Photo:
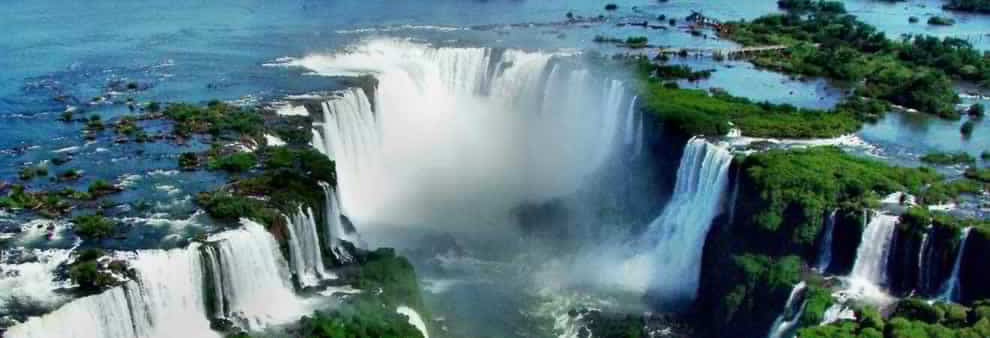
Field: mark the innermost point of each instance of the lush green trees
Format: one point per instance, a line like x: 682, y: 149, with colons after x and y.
x: 912, y: 318
x: 915, y: 72
x: 93, y: 226
x: 234, y: 163
x: 695, y: 112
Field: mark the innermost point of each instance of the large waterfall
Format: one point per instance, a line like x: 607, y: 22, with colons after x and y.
x: 873, y: 251
x: 677, y: 236
x: 254, y: 278
x: 166, y: 300
x: 243, y: 271
x: 950, y: 289
x: 459, y: 137
x: 791, y: 315
x: 304, y: 246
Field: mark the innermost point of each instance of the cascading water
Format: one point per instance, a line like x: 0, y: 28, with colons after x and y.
x: 165, y: 300
x: 836, y: 312
x: 950, y: 289
x: 304, y: 246
x: 873, y: 251
x: 254, y: 278
x: 825, y: 247
x: 677, y: 236
x: 924, y: 257
x: 452, y: 137
x: 335, y: 231
x: 790, y: 316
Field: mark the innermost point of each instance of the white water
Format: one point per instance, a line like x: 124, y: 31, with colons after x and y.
x: 922, y: 260
x: 414, y: 319
x: 836, y: 312
x: 304, y: 246
x: 34, y: 281
x: 825, y: 247
x: 677, y: 236
x: 459, y: 137
x: 874, y: 249
x: 255, y: 278
x: 790, y: 316
x: 950, y: 289
x: 166, y: 300
x: 335, y: 231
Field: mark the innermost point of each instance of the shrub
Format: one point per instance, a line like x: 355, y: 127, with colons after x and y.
x: 611, y: 7
x: 941, y: 21
x: 188, y: 161
x: 102, y: 187
x: 93, y: 226
x: 948, y: 158
x: 235, y: 163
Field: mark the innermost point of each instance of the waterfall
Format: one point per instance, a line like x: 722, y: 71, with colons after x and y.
x: 873, y: 251
x: 414, y: 319
x: 335, y: 231
x: 165, y: 300
x: 825, y: 247
x: 454, y: 136
x: 304, y: 246
x: 924, y: 255
x: 836, y: 312
x: 254, y: 278
x: 678, y: 234
x: 950, y: 290
x: 790, y: 316
x: 633, y: 129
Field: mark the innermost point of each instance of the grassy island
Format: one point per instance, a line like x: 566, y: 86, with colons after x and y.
x: 914, y: 72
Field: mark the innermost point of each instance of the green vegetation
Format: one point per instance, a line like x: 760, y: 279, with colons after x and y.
x: 817, y: 300
x: 94, y: 274
x: 805, y: 6
x: 234, y: 163
x: 364, y: 318
x: 672, y: 72
x: 30, y: 172
x: 216, y: 118
x: 611, y: 7
x: 101, y: 188
x: 947, y: 191
x: 226, y: 206
x: 696, y: 112
x: 981, y: 6
x: 912, y: 318
x: 48, y: 204
x: 915, y: 72
x: 636, y: 42
x: 794, y: 188
x: 758, y: 278
x: 985, y: 155
x: 941, y: 21
x: 982, y: 175
x: 68, y: 175
x: 188, y: 161
x: 948, y: 158
x: 93, y: 226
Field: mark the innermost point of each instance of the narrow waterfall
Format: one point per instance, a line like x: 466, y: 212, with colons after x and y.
x: 414, y: 319
x: 790, y: 316
x: 924, y: 257
x: 873, y: 251
x: 677, y: 236
x: 335, y: 232
x: 950, y: 290
x: 165, y: 300
x: 631, y: 129
x: 254, y: 278
x: 445, y: 128
x: 304, y: 246
x: 825, y: 246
